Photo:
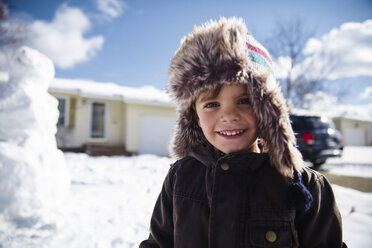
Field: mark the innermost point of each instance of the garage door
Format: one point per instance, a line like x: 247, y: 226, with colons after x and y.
x: 155, y: 132
x: 354, y: 137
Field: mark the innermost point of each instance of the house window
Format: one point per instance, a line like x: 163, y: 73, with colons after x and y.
x: 98, y: 120
x: 62, y: 108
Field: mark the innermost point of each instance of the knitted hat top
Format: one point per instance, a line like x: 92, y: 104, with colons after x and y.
x: 223, y: 52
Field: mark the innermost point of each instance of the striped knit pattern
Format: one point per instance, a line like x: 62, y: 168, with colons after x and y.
x: 258, y: 54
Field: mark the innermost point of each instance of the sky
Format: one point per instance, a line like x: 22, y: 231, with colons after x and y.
x: 132, y: 42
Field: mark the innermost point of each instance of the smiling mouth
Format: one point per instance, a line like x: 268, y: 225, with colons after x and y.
x: 232, y: 133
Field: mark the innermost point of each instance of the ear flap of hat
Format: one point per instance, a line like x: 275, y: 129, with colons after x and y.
x: 274, y: 125
x: 187, y: 134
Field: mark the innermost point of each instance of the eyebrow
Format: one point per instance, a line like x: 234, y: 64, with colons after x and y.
x: 207, y: 98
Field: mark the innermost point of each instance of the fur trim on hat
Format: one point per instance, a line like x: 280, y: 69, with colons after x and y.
x: 217, y: 53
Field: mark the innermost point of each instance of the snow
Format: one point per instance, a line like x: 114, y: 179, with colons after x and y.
x: 109, y: 204
x: 356, y: 161
x: 356, y: 212
x: 108, y: 90
x: 111, y: 201
x: 34, y: 178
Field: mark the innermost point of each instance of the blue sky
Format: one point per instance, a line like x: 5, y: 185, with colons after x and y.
x: 132, y: 42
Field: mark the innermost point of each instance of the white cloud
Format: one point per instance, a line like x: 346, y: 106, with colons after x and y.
x: 367, y: 93
x: 62, y: 39
x: 111, y: 8
x: 346, y: 50
x: 282, y: 67
x: 319, y: 101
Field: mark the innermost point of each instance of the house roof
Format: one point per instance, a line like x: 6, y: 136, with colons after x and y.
x: 106, y: 90
x: 352, y: 112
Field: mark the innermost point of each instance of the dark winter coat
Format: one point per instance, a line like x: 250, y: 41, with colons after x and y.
x: 240, y: 200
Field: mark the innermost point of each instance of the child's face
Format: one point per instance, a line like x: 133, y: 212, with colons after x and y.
x: 227, y: 120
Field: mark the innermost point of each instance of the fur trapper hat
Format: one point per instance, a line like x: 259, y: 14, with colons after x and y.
x: 224, y: 52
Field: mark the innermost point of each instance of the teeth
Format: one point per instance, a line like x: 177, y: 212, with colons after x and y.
x: 231, y: 133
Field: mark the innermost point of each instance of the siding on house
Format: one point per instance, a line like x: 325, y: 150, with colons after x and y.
x: 116, y: 122
x: 134, y: 112
x: 355, y: 132
x: 122, y: 116
x: 77, y: 132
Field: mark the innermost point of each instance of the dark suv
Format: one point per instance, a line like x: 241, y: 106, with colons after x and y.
x: 317, y: 138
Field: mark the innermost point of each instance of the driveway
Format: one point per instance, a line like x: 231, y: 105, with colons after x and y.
x: 363, y: 184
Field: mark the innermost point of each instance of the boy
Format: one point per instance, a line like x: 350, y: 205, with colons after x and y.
x: 222, y: 192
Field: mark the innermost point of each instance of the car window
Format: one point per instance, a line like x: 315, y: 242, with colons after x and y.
x: 310, y: 122
x: 297, y: 123
x: 319, y: 122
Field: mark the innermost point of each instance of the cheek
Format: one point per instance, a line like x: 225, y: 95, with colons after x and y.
x: 204, y: 122
x: 251, y: 116
x: 254, y: 120
x: 201, y: 123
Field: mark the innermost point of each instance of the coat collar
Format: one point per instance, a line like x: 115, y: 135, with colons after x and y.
x: 210, y: 157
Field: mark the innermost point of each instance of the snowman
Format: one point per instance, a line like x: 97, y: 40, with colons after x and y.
x: 34, y: 179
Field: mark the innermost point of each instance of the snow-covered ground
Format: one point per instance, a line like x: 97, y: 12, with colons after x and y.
x: 355, y: 161
x: 111, y: 200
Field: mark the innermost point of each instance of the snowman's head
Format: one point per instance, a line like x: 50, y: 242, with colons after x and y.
x: 28, y: 62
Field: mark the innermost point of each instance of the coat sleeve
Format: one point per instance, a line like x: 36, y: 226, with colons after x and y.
x: 321, y: 225
x: 161, y: 226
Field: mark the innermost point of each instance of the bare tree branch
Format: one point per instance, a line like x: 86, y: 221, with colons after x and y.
x: 13, y: 34
x: 305, y: 74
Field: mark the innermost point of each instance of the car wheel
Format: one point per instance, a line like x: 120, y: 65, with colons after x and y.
x: 318, y: 162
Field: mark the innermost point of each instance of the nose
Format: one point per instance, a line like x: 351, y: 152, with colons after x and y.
x: 229, y: 114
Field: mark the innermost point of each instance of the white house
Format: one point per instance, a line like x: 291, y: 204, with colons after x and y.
x: 355, y: 131
x: 105, y: 118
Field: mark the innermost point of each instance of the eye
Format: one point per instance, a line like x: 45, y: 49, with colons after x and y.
x: 211, y: 105
x: 244, y: 100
